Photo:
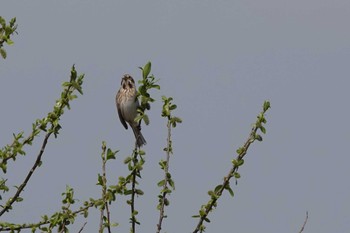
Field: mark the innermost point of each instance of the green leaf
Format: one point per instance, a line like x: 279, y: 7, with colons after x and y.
x: 155, y: 86
x: 128, y: 192
x: 217, y: 188
x: 240, y: 162
x: 99, y: 180
x: 211, y: 193
x: 177, y: 119
x: 234, y: 162
x: 127, y: 159
x: 139, y: 192
x: 161, y: 183
x: 171, y: 183
x: 76, y: 85
x: 73, y: 74
x: 138, y: 118
x: 142, y: 152
x: 206, y: 219
x: 12, y: 22
x: 173, y: 106
x: 240, y: 150
x: 236, y: 175
x: 266, y: 106
x: 146, y: 70
x: 111, y: 154
x: 115, y: 224
x: 145, y: 119
x: 228, y: 188
x: 9, y: 41
x: 3, y: 53
x: 258, y: 137
x: 2, y: 22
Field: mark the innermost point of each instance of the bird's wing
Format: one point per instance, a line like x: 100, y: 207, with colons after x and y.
x: 120, y: 114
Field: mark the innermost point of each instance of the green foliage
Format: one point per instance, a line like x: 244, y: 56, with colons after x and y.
x: 236, y: 163
x: 6, y: 31
x: 147, y: 82
x: 129, y: 185
x: 50, y: 125
x: 108, y: 193
x: 167, y: 182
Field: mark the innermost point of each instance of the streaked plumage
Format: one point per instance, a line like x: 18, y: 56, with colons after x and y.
x: 127, y: 104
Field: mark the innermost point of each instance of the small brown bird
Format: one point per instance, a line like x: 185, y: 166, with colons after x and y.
x: 127, y: 104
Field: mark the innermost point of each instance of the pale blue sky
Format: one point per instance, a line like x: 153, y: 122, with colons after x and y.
x: 219, y: 60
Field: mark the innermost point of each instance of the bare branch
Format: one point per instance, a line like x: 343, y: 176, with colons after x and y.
x: 306, y: 218
x: 82, y: 228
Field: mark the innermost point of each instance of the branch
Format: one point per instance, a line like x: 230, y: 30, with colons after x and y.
x: 216, y: 194
x: 21, y: 187
x: 82, y: 228
x: 168, y: 107
x: 44, y: 222
x: 133, y: 190
x: 165, y: 186
x: 6, y: 32
x: 104, y: 192
x: 66, y: 215
x: 134, y: 164
x: 302, y: 228
x: 53, y: 118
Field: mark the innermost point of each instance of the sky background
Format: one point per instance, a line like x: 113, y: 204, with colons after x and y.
x: 219, y: 60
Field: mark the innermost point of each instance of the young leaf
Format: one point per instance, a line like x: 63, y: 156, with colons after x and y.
x: 266, y: 106
x: 3, y: 53
x: 146, y: 70
x: 161, y: 183
x: 111, y: 154
x: 9, y: 41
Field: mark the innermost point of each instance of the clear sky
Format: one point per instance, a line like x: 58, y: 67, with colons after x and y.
x: 219, y: 60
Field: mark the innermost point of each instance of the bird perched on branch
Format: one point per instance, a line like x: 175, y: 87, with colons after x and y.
x: 127, y: 104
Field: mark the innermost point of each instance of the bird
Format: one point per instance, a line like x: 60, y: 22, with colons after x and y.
x: 127, y: 104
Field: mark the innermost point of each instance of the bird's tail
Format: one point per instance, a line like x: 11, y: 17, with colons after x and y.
x: 140, y: 140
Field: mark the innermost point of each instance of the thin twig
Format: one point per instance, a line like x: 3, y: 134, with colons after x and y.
x: 27, y: 226
x: 104, y: 190
x: 133, y: 191
x: 101, y: 221
x: 64, y: 222
x: 103, y: 187
x: 108, y: 218
x: 37, y: 162
x: 82, y: 228
x: 306, y: 218
x: 227, y: 178
x: 21, y: 187
x: 25, y: 141
x: 166, y: 169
